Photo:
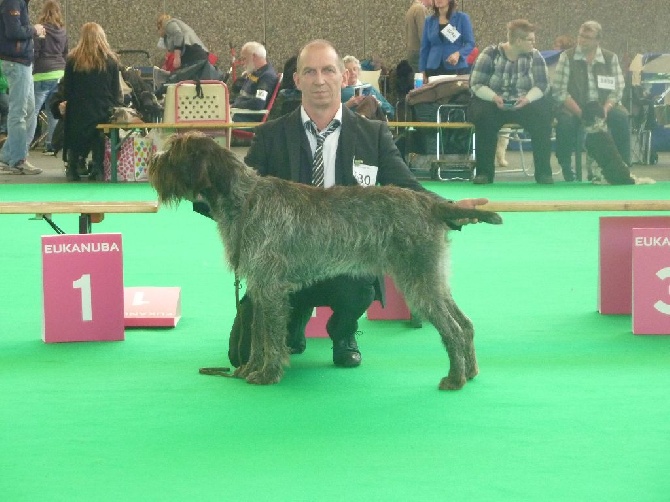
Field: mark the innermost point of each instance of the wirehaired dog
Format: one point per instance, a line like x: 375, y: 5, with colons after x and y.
x: 282, y: 236
x: 601, y: 148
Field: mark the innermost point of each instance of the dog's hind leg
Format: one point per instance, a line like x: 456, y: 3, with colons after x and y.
x: 429, y: 295
x: 268, y: 353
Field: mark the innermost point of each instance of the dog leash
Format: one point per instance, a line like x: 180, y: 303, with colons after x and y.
x: 224, y: 371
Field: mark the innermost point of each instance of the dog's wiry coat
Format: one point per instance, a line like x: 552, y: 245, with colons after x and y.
x: 290, y: 235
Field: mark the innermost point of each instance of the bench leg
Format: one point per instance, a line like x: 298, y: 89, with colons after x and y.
x: 113, y: 156
x: 84, y: 223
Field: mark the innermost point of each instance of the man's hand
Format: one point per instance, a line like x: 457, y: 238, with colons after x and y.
x: 469, y: 204
x: 521, y: 102
x: 354, y: 101
x: 606, y: 108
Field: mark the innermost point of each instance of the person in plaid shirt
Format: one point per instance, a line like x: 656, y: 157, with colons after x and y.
x: 588, y: 73
x: 510, y: 85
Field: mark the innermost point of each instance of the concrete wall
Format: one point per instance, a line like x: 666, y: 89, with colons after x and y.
x: 364, y: 28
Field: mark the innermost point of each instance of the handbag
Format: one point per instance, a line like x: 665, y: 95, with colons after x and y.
x: 133, y: 158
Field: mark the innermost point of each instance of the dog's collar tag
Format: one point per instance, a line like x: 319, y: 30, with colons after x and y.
x: 365, y: 175
x: 606, y: 82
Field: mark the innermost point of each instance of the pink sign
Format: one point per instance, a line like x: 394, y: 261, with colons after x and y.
x: 651, y: 281
x: 316, y: 327
x: 152, y: 307
x: 82, y: 286
x: 615, y: 280
x: 394, y: 307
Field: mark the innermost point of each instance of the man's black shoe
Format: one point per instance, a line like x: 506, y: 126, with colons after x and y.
x: 569, y: 175
x: 346, y: 353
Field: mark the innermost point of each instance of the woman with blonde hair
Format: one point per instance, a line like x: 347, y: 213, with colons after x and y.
x: 91, y: 88
x: 48, y: 68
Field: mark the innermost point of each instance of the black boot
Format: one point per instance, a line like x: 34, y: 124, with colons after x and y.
x: 97, y: 173
x: 72, y: 168
x: 568, y: 173
x: 71, y: 173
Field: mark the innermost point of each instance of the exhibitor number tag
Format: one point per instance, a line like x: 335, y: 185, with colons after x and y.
x: 365, y: 175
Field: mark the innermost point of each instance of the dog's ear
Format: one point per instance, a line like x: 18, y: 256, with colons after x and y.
x: 193, y: 164
x: 182, y: 170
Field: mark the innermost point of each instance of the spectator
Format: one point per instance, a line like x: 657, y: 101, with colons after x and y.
x: 510, y: 83
x: 588, y: 73
x: 256, y: 85
x: 288, y: 97
x: 49, y: 67
x: 415, y: 18
x: 180, y: 40
x: 447, y: 41
x: 563, y: 42
x: 91, y: 89
x: 349, y: 97
x: 16, y: 53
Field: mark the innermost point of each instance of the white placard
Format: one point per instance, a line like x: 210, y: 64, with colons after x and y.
x: 451, y: 33
x: 365, y: 175
x: 607, y: 83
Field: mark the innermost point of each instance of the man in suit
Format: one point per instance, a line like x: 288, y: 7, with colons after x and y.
x: 355, y: 150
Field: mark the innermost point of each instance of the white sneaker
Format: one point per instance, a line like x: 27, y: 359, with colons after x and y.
x: 25, y: 167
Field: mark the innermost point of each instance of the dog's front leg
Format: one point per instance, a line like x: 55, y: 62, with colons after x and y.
x: 268, y: 340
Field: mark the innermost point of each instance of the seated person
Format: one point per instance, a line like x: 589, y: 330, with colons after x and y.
x: 349, y: 97
x: 255, y: 87
x: 288, y: 97
x: 588, y: 73
x: 510, y: 83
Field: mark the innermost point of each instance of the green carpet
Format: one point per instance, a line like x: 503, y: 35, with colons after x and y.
x: 569, y: 405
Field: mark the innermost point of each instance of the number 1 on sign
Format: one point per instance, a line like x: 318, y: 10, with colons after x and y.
x: 84, y: 283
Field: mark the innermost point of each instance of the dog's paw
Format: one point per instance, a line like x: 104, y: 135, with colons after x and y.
x: 452, y: 383
x: 240, y: 372
x: 472, y: 372
x: 264, y: 377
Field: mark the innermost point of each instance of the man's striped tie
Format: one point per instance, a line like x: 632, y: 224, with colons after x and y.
x: 317, y: 165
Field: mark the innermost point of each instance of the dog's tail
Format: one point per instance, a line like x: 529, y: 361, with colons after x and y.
x: 454, y: 215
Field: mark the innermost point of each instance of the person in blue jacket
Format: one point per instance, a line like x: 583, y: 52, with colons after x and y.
x: 447, y: 41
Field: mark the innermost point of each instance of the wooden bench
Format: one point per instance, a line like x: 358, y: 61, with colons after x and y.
x: 89, y: 212
x: 577, y: 205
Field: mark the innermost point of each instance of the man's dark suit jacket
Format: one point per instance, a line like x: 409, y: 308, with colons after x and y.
x: 280, y: 148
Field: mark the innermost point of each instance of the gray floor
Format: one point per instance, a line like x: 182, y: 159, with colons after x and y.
x: 54, y: 172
